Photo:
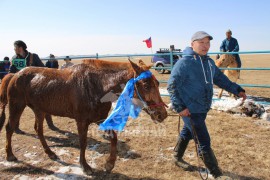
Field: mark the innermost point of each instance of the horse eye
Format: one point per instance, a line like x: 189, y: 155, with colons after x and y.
x: 146, y: 87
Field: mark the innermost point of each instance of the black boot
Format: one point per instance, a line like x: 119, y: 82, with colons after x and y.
x: 179, y: 153
x: 211, y: 163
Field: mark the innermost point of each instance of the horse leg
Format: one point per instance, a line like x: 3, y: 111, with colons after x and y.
x: 39, y: 128
x: 220, y: 93
x: 82, y: 131
x: 15, y: 112
x: 112, y: 158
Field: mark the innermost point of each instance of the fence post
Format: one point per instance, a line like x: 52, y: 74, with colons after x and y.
x: 171, y: 57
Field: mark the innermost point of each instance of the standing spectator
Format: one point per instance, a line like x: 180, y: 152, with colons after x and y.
x: 68, y: 63
x: 230, y: 44
x: 52, y: 62
x: 4, y: 67
x: 191, y: 90
x: 23, y: 58
x: 20, y: 60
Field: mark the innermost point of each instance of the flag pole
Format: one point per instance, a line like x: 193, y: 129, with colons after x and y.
x: 151, y: 55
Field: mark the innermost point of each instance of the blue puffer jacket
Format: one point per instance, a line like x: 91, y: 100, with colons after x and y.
x: 191, y: 82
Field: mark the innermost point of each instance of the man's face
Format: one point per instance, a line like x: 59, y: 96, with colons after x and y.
x: 228, y: 35
x: 18, y: 50
x: 201, y: 46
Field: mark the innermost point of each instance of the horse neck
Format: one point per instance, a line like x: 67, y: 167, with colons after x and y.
x: 233, y: 64
x: 118, y: 78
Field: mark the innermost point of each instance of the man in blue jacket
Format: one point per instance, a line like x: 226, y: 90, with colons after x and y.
x: 191, y: 90
x: 230, y: 44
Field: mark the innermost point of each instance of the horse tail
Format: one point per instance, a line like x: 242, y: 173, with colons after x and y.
x: 3, y: 98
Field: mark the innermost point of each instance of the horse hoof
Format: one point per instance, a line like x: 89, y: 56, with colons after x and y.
x: 109, y: 167
x: 53, y: 156
x: 12, y: 158
x: 88, y: 171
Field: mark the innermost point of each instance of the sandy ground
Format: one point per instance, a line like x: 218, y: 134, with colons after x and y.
x: 145, y: 149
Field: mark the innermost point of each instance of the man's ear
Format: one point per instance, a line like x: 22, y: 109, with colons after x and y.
x: 135, y: 67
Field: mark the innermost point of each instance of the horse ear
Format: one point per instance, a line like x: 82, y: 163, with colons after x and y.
x: 150, y: 66
x: 144, y: 66
x: 135, y: 67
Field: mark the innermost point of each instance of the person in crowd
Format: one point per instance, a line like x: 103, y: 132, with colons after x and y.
x: 52, y: 62
x: 4, y: 67
x: 191, y: 89
x: 20, y: 60
x: 67, y: 63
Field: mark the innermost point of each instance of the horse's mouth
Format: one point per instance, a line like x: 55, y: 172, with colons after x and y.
x: 157, y: 115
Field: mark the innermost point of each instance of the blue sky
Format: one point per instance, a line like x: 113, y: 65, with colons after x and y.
x: 83, y: 27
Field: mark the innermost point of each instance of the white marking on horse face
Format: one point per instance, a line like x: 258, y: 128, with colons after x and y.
x: 37, y: 79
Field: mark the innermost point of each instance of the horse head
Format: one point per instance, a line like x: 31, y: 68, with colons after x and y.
x: 225, y: 60
x: 146, y: 93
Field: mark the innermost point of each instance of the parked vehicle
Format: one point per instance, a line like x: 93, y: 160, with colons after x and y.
x: 161, y: 60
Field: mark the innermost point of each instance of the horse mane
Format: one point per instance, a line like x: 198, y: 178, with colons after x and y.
x: 108, y: 65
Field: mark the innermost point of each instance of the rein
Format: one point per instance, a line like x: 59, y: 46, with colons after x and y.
x: 197, y: 145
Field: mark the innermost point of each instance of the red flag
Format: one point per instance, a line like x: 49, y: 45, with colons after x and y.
x: 148, y: 42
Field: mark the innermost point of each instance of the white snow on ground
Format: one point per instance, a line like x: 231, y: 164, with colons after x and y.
x: 61, y: 152
x: 71, y: 172
x: 228, y: 104
x: 30, y: 155
x: 8, y: 164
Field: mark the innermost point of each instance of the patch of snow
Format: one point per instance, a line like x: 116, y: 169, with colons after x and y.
x: 21, y: 177
x: 266, y: 116
x: 62, y: 152
x: 170, y: 148
x: 30, y: 155
x: 7, y: 163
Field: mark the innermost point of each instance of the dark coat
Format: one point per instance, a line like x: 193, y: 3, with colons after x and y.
x: 34, y: 62
x: 52, y: 64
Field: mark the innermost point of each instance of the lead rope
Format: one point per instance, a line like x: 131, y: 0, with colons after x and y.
x: 197, y: 144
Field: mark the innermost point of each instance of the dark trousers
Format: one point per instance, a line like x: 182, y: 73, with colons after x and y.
x: 198, y: 120
x: 237, y: 58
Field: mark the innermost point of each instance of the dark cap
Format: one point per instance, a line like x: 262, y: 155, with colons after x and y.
x: 52, y: 56
x: 67, y: 58
x: 6, y: 58
x: 20, y: 43
x: 200, y: 35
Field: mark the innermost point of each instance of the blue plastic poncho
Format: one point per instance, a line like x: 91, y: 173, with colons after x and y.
x: 124, y: 106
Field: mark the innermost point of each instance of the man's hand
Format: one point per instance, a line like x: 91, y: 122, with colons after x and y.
x: 185, y: 112
x: 243, y: 95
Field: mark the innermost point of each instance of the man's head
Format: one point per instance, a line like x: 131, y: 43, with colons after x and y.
x: 200, y: 42
x: 52, y: 57
x: 67, y: 59
x: 19, y: 47
x: 6, y: 59
x: 228, y: 34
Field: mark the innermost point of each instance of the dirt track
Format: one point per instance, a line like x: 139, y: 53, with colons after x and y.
x: 145, y: 149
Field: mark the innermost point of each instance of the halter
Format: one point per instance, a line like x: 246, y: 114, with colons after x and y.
x: 145, y: 106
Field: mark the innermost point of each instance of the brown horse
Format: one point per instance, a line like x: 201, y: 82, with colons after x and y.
x: 228, y: 61
x: 75, y: 92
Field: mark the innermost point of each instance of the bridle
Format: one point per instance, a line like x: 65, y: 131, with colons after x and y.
x: 145, y: 105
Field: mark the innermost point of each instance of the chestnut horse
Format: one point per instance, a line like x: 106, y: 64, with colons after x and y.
x: 76, y: 93
x: 228, y: 61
